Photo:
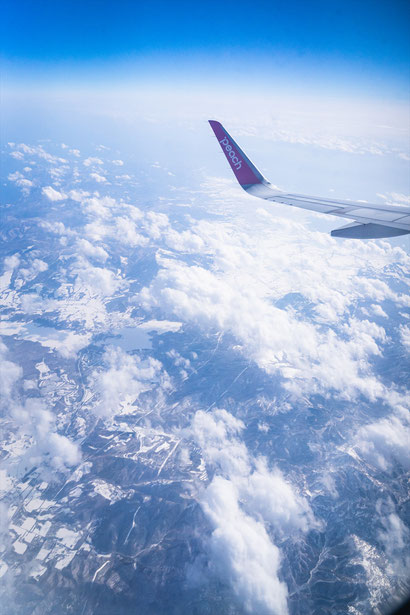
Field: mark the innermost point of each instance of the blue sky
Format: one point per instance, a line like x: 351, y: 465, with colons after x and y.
x: 331, y: 45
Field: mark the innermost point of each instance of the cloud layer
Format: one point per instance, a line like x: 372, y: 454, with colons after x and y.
x: 246, y: 504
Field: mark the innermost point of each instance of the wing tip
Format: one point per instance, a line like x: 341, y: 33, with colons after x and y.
x: 244, y: 170
x: 215, y: 124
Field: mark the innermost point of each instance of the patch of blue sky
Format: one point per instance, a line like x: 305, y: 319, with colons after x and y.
x: 362, y: 46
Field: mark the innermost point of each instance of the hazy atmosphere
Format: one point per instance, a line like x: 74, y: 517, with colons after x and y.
x: 205, y: 402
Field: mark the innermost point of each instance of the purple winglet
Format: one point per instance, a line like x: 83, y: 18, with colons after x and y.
x: 245, y: 172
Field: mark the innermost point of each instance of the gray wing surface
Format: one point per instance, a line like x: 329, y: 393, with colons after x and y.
x: 370, y: 221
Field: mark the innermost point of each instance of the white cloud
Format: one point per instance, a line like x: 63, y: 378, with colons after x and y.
x: 123, y: 380
x: 4, y: 525
x: 272, y: 337
x: 161, y: 326
x: 100, y: 207
x: 98, y: 178
x: 268, y: 494
x: 397, y: 199
x: 78, y: 195
x: 25, y: 185
x: 92, y: 161
x: 66, y: 343
x: 378, y: 310
x: 155, y: 223
x: 243, y: 501
x: 21, y: 181
x: 17, y: 155
x: 215, y: 433
x: 119, y: 221
x: 88, y: 249
x: 35, y: 420
x: 58, y: 172
x: 95, y: 280
x: 52, y: 194
x: 178, y: 359
x: 11, y: 262
x: 242, y: 553
x: 405, y: 337
x: 58, y: 228
x: 385, y: 443
x: 118, y: 163
x: 48, y: 446
x: 395, y: 537
x: 262, y: 491
x: 127, y: 233
x: 185, y: 241
x: 63, y: 451
x: 97, y: 231
x: 27, y: 273
x: 10, y: 373
x: 39, y: 151
x: 36, y: 267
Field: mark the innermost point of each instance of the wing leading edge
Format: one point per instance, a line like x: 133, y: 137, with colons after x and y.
x: 370, y: 220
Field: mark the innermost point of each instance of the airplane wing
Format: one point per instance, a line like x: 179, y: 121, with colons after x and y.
x: 370, y: 221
